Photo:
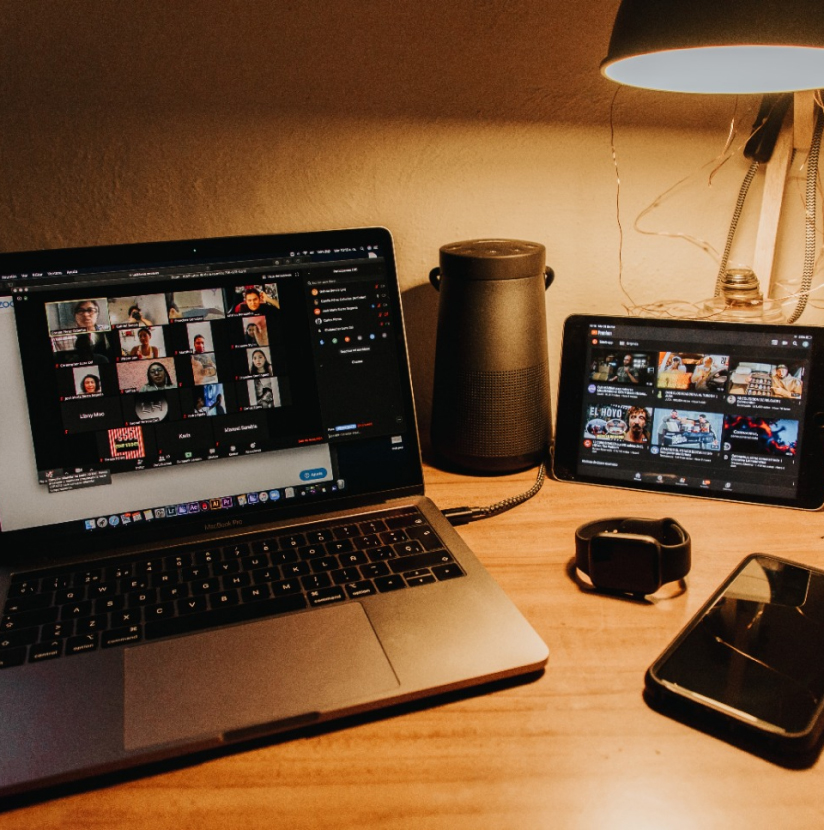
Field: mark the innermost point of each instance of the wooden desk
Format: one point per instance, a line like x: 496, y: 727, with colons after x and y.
x: 577, y: 748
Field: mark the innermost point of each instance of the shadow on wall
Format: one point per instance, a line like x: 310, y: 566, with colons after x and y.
x: 493, y: 60
x: 420, y: 311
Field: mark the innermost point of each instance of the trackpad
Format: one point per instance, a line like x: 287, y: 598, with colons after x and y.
x: 258, y: 673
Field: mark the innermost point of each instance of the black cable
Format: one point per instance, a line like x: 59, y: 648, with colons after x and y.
x: 809, y: 220
x: 464, y: 515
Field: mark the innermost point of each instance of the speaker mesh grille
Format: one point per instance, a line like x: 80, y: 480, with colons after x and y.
x: 494, y: 414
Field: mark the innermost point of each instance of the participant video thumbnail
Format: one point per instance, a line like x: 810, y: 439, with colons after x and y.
x: 253, y: 299
x: 618, y: 422
x: 84, y: 347
x: 197, y: 304
x: 144, y: 310
x: 692, y: 371
x: 763, y: 379
x: 688, y: 429
x: 760, y: 436
x: 78, y: 316
x: 145, y: 342
x: 622, y: 367
x: 136, y: 376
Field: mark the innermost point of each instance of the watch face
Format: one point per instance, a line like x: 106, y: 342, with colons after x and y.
x: 625, y: 562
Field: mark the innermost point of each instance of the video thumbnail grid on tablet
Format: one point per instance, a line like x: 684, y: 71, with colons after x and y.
x: 690, y: 406
x: 132, y: 370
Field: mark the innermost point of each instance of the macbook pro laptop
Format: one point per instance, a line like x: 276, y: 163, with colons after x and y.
x: 212, y: 515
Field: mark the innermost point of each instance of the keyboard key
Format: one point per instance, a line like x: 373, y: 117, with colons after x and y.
x: 205, y: 586
x: 224, y: 599
x: 363, y: 588
x: 55, y: 583
x: 235, y: 581
x: 311, y: 551
x: 28, y: 602
x: 372, y: 526
x: 408, y: 548
x: 24, y: 587
x: 24, y: 637
x: 264, y: 547
x: 10, y: 657
x: 298, y: 569
x: 121, y: 636
x: 426, y: 536
x: 374, y: 569
x: 27, y: 619
x: 325, y: 596
x: 224, y: 616
x: 70, y: 595
x: 160, y: 611
x: 45, y: 651
x: 420, y: 560
x: 318, y: 537
x: 389, y: 583
x: 325, y: 563
x: 171, y: 592
x: 90, y: 625
x: 424, y: 579
x: 411, y: 519
x: 131, y: 616
x: 255, y: 593
x: 158, y: 580
x: 381, y: 553
x: 264, y: 575
x: 192, y: 605
x: 77, y: 645
x: 54, y: 631
x: 179, y: 561
x: 286, y: 587
x: 314, y: 581
x: 237, y: 551
x: 372, y: 540
x: 344, y: 575
x: 443, y: 572
x: 140, y: 598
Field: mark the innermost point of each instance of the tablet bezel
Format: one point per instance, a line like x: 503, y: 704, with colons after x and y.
x: 575, y: 378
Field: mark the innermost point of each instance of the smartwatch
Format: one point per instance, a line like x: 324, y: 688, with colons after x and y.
x: 631, y: 555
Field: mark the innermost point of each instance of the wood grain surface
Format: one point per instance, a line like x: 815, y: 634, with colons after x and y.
x: 575, y: 748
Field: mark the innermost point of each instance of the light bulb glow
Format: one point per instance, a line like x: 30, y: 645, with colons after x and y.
x: 723, y: 69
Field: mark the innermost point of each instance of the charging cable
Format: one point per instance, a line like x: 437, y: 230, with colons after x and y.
x: 464, y: 515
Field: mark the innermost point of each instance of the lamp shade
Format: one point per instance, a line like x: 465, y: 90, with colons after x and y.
x: 724, y: 46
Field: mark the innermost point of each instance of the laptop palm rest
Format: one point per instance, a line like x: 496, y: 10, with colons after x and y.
x: 264, y: 672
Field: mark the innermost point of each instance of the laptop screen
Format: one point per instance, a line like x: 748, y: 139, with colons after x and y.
x: 183, y: 387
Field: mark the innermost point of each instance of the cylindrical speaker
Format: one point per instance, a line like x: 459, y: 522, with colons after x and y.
x: 490, y: 402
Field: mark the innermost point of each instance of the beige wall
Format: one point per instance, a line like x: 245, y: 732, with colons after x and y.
x: 126, y: 121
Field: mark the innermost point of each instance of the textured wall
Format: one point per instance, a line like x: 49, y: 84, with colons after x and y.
x: 127, y: 121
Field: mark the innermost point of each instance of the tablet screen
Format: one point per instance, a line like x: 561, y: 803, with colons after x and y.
x: 716, y: 409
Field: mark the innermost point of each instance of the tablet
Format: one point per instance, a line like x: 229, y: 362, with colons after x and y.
x: 722, y: 410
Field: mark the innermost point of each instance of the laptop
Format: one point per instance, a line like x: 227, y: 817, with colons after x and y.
x: 212, y: 510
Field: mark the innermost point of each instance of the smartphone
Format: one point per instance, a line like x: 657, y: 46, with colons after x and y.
x: 720, y: 410
x: 750, y: 664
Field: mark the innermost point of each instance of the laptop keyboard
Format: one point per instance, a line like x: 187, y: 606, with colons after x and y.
x: 121, y: 602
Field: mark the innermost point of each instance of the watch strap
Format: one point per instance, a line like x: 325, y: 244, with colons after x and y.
x: 672, y: 538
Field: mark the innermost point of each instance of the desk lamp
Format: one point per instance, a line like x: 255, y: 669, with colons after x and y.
x: 773, y: 47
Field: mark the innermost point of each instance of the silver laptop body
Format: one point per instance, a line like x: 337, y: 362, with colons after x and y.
x: 238, y: 545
